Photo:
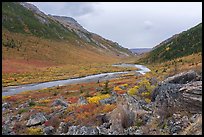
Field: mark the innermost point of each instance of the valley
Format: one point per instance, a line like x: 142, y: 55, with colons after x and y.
x: 60, y: 79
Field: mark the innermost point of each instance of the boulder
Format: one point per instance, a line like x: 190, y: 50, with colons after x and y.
x: 59, y: 102
x: 36, y: 119
x: 48, y: 130
x: 123, y: 116
x: 5, y: 105
x: 82, y: 100
x: 82, y: 130
x: 110, y: 100
x: 104, y: 128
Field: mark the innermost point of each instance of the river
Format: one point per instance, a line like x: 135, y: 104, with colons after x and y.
x: 11, y: 90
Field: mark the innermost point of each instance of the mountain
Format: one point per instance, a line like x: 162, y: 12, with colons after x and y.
x: 140, y: 50
x: 28, y: 33
x: 179, y: 45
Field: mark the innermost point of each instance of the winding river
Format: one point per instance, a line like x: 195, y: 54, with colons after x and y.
x: 11, y: 90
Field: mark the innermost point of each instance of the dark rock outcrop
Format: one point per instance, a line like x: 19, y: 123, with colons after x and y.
x: 175, y: 95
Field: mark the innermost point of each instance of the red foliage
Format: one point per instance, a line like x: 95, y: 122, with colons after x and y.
x: 12, y: 98
x: 120, y: 83
x: 72, y: 99
x: 120, y: 92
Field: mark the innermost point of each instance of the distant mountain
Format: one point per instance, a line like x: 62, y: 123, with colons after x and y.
x: 140, y: 50
x: 179, y: 45
x: 25, y: 20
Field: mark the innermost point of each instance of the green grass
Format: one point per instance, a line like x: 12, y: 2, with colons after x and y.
x: 16, y: 18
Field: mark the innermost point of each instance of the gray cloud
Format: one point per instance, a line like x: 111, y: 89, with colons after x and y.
x: 73, y: 9
x: 132, y: 25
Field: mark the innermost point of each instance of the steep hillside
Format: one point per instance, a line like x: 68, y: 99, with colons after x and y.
x: 26, y: 20
x: 37, y: 47
x: 183, y: 44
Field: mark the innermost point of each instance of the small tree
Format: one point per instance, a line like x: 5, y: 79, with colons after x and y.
x: 106, y: 89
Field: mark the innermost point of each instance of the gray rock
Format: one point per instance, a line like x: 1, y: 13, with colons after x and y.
x: 110, y: 100
x: 78, y: 130
x: 175, y: 129
x: 63, y: 127
x: 194, y: 117
x: 185, y: 121
x: 131, y: 130
x: 5, y: 105
x: 182, y: 78
x: 178, y: 97
x: 103, y: 129
x: 138, y: 132
x: 36, y: 119
x: 6, y: 129
x: 48, y: 130
x: 123, y: 116
x: 59, y: 102
x: 82, y: 100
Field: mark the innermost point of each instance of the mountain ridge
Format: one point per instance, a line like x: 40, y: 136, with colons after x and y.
x: 183, y: 44
x: 35, y: 22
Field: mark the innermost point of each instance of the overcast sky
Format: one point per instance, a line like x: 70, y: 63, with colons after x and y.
x: 131, y: 24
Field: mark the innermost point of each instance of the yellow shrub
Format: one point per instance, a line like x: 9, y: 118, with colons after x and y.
x: 35, y: 131
x: 145, y: 93
x: 96, y: 99
x: 117, y: 88
x: 147, y: 100
x: 124, y: 85
x: 5, y: 97
x: 45, y: 101
x: 133, y: 90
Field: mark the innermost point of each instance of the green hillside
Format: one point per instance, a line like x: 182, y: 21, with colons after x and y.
x: 16, y: 18
x: 186, y: 43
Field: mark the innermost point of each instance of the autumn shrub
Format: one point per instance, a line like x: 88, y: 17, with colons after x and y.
x: 147, y: 100
x: 133, y: 90
x: 44, y: 101
x: 143, y: 88
x: 12, y: 98
x: 96, y: 99
x: 117, y: 88
x: 73, y: 99
x: 19, y: 127
x: 108, y: 107
x: 34, y: 131
x: 54, y: 122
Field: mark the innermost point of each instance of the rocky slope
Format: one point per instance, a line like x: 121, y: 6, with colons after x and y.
x: 176, y: 108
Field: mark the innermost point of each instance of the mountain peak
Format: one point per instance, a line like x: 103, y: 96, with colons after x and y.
x: 68, y: 22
